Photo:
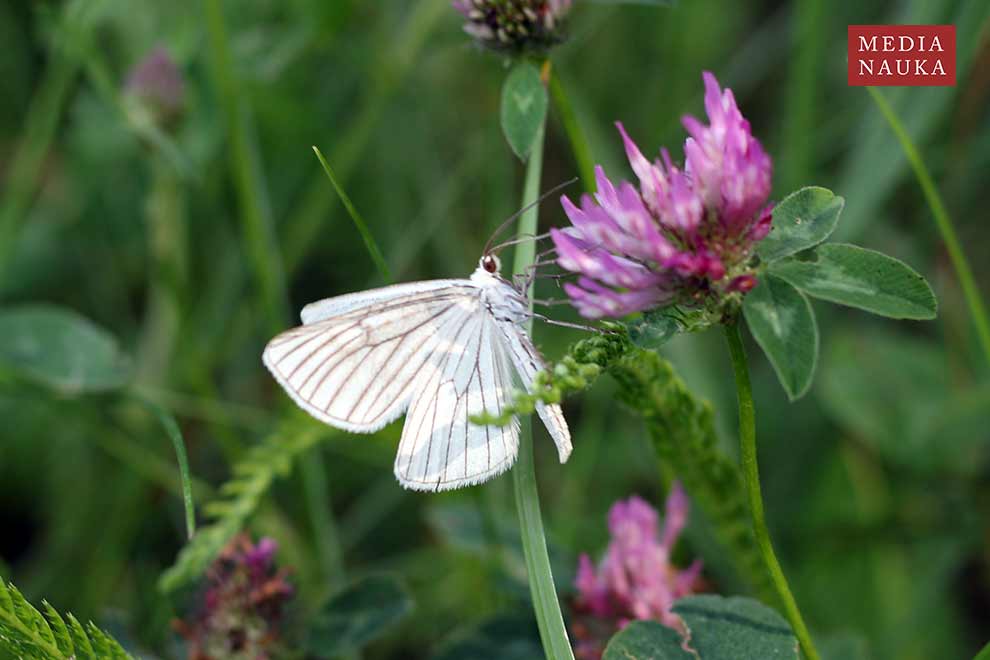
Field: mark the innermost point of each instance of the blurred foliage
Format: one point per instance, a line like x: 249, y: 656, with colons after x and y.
x: 190, y: 243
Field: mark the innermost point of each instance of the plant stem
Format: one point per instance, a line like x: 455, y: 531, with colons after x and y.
x: 576, y: 136
x: 751, y: 477
x: 548, y: 616
x: 943, y: 221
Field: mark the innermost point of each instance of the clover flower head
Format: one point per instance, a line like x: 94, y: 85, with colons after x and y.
x: 241, y: 605
x: 157, y: 83
x: 685, y: 235
x: 514, y: 26
x: 635, y: 578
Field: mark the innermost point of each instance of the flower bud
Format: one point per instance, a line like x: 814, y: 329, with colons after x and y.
x: 514, y: 26
x: 157, y: 84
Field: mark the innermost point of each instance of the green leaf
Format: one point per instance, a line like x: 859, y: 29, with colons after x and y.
x: 646, y: 640
x: 26, y: 633
x: 655, y: 328
x: 509, y: 637
x: 60, y: 349
x: 736, y: 629
x: 984, y: 654
x: 524, y: 107
x: 783, y: 324
x: 84, y: 648
x: 359, y: 614
x: 857, y: 277
x: 62, y: 637
x: 802, y: 220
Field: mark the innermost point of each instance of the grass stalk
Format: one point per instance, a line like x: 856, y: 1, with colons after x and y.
x: 362, y: 226
x: 943, y: 221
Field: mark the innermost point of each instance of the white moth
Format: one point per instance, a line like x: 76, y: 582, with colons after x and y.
x: 439, y: 351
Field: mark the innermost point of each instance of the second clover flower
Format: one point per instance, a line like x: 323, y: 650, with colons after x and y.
x: 684, y: 236
x: 514, y: 26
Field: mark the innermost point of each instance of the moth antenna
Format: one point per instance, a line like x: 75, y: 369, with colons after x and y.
x: 565, y: 324
x: 518, y: 213
x: 521, y: 239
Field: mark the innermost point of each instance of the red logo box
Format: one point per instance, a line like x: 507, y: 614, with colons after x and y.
x: 902, y: 55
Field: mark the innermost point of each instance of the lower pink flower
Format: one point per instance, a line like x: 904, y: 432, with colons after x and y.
x: 635, y: 578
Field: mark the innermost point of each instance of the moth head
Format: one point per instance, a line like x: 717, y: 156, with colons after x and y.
x: 491, y: 264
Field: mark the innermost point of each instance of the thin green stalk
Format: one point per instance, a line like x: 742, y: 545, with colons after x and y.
x: 943, y: 221
x: 166, y: 223
x: 249, y: 182
x: 575, y: 135
x: 362, y: 226
x: 751, y: 477
x: 175, y: 435
x: 548, y: 616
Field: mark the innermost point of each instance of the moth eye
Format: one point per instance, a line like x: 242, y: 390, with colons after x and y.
x: 488, y: 263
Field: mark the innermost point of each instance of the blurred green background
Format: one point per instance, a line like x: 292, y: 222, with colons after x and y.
x: 193, y: 242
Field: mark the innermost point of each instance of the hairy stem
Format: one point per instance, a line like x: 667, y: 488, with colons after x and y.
x: 548, y: 616
x: 751, y: 477
x: 943, y: 221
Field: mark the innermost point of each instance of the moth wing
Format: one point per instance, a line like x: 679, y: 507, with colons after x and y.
x: 528, y: 362
x: 328, y: 308
x: 356, y: 361
x: 440, y: 448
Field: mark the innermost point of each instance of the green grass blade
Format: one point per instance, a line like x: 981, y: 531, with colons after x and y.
x: 362, y: 226
x: 178, y: 443
x: 943, y: 221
